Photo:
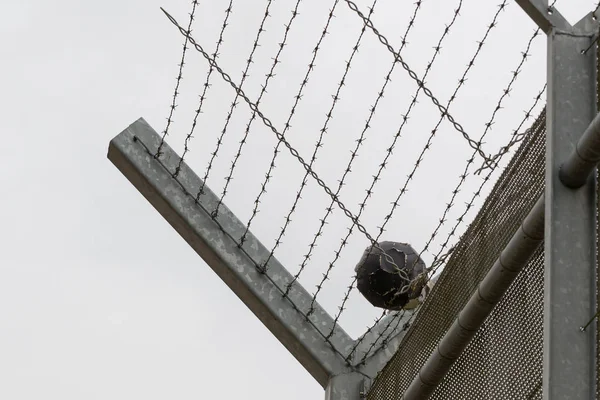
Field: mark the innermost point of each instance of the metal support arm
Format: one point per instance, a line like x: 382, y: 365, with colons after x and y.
x: 132, y: 152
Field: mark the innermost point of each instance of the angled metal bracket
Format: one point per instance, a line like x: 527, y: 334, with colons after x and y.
x: 216, y: 240
x: 544, y: 16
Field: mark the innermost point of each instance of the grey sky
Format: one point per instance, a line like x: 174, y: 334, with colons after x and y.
x: 100, y: 298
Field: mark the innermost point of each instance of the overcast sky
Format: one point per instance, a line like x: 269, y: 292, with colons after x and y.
x: 100, y: 298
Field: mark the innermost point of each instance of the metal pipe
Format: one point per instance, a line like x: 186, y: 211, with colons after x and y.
x: 575, y: 171
x: 489, y: 292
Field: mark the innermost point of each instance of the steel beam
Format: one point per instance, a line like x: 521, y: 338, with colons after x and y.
x: 215, y: 240
x: 570, y: 246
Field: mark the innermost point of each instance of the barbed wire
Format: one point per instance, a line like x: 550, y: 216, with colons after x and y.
x: 427, y: 146
x: 173, y: 105
x: 270, y: 125
x: 354, y: 153
x: 287, y: 125
x: 436, y: 263
x: 206, y: 86
x: 443, y: 110
x: 234, y: 103
x: 397, y: 318
x: 505, y: 149
x: 319, y: 145
x: 463, y: 177
x: 440, y: 257
x: 263, y: 90
x: 488, y: 125
x: 383, y: 165
x: 469, y: 205
x: 490, y: 163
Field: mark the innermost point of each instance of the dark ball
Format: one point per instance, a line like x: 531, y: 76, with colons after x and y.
x: 381, y: 282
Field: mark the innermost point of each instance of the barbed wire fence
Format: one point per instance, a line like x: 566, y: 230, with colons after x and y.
x: 438, y: 243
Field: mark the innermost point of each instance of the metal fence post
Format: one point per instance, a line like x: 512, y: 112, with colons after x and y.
x: 570, y: 251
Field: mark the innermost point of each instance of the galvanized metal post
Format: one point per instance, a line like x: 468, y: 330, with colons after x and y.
x: 570, y: 250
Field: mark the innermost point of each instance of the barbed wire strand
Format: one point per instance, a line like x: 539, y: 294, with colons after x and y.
x: 440, y: 258
x: 287, y: 125
x: 427, y: 146
x: 270, y: 125
x: 234, y: 103
x: 443, y: 110
x: 383, y: 164
x: 263, y: 90
x: 206, y: 86
x: 173, y: 105
x: 354, y: 153
x: 319, y: 144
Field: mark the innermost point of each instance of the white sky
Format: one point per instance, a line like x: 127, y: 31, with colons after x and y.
x: 99, y: 297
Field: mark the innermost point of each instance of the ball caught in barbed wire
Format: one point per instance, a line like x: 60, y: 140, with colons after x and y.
x: 391, y: 274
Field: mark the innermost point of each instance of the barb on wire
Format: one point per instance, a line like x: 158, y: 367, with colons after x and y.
x: 287, y: 125
x: 206, y: 86
x: 234, y: 104
x: 263, y: 90
x: 178, y: 82
x: 443, y: 110
x: 270, y: 125
x: 319, y: 145
x: 354, y: 154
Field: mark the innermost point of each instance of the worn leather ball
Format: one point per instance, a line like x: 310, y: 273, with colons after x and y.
x: 383, y: 270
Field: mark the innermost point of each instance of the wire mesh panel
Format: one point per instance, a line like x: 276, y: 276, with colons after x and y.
x: 504, y: 360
